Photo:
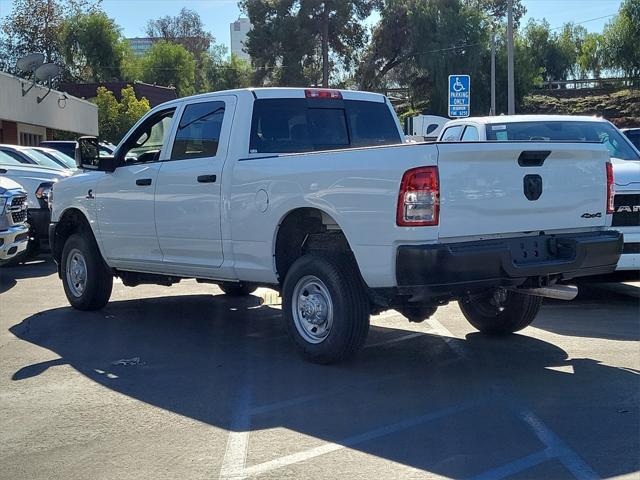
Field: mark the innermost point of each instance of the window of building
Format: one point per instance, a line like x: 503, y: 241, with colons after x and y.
x: 30, y: 139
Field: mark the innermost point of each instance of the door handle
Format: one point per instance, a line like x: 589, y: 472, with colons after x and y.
x: 533, y: 158
x: 206, y: 178
x: 143, y: 181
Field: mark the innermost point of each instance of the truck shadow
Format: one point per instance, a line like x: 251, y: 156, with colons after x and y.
x: 598, y: 312
x: 442, y: 407
x: 42, y: 266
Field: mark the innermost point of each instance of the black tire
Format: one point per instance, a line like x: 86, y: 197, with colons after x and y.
x: 237, y: 289
x: 99, y: 279
x: 519, y: 311
x: 349, y: 305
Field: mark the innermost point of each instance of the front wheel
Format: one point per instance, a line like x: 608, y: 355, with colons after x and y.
x: 325, y: 308
x: 500, y: 314
x: 86, y: 278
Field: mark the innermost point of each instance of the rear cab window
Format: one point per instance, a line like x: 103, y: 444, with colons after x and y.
x: 296, y: 125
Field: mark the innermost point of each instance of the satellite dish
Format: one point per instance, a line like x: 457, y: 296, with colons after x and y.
x: 29, y: 63
x: 47, y: 72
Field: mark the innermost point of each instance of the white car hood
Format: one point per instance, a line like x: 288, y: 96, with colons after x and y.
x: 626, y: 174
x: 30, y: 177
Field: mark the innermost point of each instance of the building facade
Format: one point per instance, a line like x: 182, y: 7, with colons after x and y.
x: 239, y: 30
x: 24, y: 121
x: 140, y: 45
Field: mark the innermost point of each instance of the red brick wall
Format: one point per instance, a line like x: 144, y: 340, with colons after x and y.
x: 9, y: 133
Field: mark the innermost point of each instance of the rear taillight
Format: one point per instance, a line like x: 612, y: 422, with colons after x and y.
x: 609, y: 188
x: 419, y: 198
x: 323, y: 93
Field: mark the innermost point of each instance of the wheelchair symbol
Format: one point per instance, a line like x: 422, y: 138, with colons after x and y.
x: 457, y: 86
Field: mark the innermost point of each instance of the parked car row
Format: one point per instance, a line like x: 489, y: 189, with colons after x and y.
x: 21, y: 166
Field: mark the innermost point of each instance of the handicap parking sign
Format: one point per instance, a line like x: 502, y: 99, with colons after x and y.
x: 459, y: 96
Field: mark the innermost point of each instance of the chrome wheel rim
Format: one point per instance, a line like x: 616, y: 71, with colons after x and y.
x: 76, y: 270
x: 312, y: 309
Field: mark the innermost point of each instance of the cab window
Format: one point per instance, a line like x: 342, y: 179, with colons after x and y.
x: 145, y: 143
x: 470, y: 134
x: 452, y: 134
x: 199, y: 131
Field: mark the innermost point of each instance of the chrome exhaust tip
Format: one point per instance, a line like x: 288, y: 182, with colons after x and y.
x: 559, y: 292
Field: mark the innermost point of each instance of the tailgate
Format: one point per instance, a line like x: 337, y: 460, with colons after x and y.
x: 505, y: 187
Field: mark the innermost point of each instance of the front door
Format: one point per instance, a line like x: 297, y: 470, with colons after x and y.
x: 125, y: 198
x: 188, y: 195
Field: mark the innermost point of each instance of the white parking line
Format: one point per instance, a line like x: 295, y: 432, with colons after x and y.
x: 354, y: 440
x: 401, y: 338
x: 570, y: 459
x: 555, y: 447
x: 235, y: 455
x: 269, y: 407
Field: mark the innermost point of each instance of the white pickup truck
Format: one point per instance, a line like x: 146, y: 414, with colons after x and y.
x: 313, y: 193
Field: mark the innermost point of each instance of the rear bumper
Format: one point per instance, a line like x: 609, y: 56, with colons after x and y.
x: 13, y: 241
x: 506, y: 262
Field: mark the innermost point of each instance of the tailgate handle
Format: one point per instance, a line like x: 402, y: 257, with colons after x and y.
x: 533, y: 158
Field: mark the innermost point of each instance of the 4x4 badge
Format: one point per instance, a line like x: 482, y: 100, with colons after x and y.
x: 591, y: 215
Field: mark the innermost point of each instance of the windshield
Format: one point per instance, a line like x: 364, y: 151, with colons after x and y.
x: 541, y: 131
x: 41, y: 159
x: 8, y: 160
x: 66, y: 160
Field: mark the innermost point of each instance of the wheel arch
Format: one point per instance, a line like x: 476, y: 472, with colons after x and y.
x: 305, y: 228
x: 72, y: 220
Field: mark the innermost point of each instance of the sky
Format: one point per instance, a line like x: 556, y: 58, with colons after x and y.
x: 132, y: 15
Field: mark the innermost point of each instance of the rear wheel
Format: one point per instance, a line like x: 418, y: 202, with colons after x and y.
x: 501, y: 312
x: 326, y: 308
x: 86, y: 278
x: 237, y: 289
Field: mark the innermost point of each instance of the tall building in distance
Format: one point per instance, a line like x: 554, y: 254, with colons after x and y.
x: 140, y: 45
x: 239, y: 30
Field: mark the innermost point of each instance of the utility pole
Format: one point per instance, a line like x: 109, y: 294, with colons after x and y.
x: 493, y: 70
x: 325, y: 45
x: 511, y: 96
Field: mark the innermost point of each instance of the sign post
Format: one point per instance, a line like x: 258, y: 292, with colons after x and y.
x: 459, y: 96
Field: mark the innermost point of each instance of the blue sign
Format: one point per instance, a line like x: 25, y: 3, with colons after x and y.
x: 459, y: 96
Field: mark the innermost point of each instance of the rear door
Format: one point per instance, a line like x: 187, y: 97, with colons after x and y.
x: 495, y: 188
x: 187, y: 198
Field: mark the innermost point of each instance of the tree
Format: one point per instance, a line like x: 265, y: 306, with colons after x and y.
x: 186, y: 29
x: 621, y: 40
x: 116, y: 118
x: 292, y: 41
x: 35, y: 26
x: 93, y: 47
x: 439, y: 38
x: 169, y: 64
x: 226, y: 74
x: 590, y: 57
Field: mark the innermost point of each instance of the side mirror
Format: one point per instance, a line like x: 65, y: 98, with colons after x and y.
x: 88, y: 156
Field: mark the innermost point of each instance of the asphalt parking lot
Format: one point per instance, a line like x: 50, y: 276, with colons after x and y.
x: 186, y: 383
